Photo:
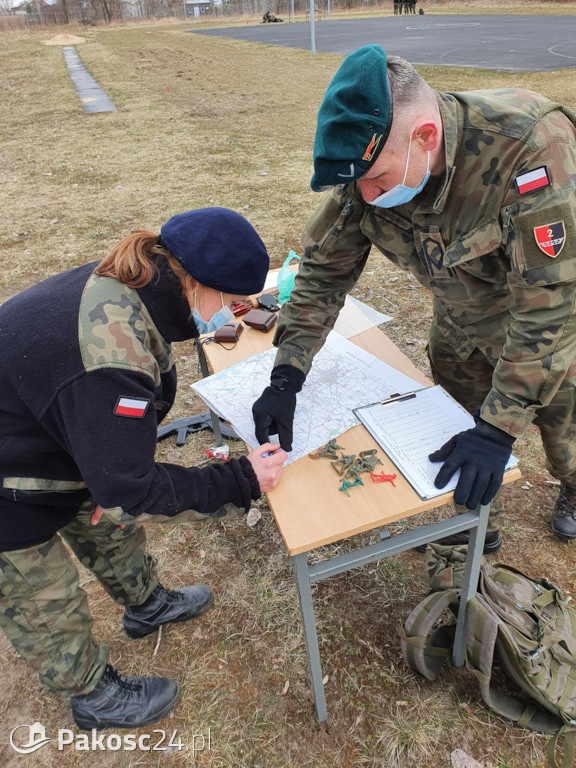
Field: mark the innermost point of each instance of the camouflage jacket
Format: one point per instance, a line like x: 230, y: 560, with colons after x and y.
x: 494, y: 240
x: 86, y: 374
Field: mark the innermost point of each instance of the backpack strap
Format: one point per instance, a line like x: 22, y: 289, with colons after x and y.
x: 483, y: 626
x: 568, y: 733
x: 424, y: 648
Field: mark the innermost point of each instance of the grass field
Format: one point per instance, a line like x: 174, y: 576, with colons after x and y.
x: 209, y: 121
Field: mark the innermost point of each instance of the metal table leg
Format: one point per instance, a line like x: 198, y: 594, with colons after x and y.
x: 470, y: 582
x: 206, y: 372
x: 300, y: 564
x: 475, y: 522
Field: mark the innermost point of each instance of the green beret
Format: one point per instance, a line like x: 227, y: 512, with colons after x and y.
x: 354, y: 119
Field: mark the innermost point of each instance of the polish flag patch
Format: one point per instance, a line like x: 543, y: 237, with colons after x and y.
x: 532, y: 180
x: 131, y: 407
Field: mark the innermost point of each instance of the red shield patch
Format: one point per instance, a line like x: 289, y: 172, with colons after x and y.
x: 550, y: 238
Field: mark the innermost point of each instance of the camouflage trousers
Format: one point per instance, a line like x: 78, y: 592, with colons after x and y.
x: 468, y: 378
x: 44, y: 611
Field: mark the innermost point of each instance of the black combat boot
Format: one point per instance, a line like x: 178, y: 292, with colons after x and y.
x: 124, y: 702
x: 166, y: 605
x: 564, y: 516
x: 492, y: 541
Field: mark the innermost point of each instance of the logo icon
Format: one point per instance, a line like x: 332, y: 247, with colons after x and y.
x: 434, y: 250
x: 36, y: 738
x: 349, y: 174
x: 372, y: 146
x: 550, y: 238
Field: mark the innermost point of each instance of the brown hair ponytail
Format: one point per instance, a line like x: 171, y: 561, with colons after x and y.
x: 131, y: 261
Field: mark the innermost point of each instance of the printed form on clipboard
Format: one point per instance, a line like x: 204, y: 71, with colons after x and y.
x: 411, y: 426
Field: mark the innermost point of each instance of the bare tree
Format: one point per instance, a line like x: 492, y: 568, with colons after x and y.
x: 64, y: 13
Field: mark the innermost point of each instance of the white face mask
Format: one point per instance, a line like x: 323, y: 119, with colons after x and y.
x: 218, y: 319
x: 401, y: 193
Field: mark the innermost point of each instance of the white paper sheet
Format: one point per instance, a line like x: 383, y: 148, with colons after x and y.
x: 356, y: 317
x: 412, y: 428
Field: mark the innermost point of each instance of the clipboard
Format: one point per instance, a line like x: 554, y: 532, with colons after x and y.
x: 409, y: 426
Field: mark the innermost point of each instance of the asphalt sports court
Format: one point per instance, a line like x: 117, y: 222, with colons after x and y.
x: 510, y: 43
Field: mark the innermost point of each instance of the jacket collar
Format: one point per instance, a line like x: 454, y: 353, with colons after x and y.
x: 451, y: 115
x: 165, y: 300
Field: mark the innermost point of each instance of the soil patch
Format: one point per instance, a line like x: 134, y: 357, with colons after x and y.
x: 64, y: 40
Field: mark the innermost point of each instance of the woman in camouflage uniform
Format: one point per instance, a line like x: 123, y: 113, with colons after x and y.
x: 86, y: 375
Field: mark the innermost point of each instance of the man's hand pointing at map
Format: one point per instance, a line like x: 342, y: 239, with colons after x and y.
x: 273, y: 412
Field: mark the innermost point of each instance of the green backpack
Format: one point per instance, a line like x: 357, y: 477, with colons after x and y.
x: 525, y: 627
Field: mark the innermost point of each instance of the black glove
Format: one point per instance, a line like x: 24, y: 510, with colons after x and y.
x: 273, y: 412
x: 481, y: 455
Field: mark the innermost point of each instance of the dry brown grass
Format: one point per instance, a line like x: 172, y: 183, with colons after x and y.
x: 205, y: 121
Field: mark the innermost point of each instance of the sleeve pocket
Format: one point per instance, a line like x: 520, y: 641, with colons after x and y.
x: 546, y: 247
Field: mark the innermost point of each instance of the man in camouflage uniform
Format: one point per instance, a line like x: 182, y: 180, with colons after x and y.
x: 86, y: 375
x: 474, y: 194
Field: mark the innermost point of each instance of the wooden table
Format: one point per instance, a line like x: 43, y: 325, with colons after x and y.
x: 311, y: 512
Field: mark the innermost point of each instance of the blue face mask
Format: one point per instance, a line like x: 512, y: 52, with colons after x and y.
x: 218, y: 319
x: 401, y: 194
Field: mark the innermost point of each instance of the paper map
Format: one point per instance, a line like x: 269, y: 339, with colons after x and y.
x: 343, y: 377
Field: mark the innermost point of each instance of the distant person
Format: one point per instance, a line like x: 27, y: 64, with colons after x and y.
x: 271, y: 18
x: 397, y: 7
x: 86, y: 375
x: 474, y: 193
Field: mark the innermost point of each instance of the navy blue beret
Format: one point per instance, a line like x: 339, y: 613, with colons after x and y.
x: 219, y: 248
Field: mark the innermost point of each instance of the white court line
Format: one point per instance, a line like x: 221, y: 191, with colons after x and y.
x: 562, y: 55
x: 437, y: 26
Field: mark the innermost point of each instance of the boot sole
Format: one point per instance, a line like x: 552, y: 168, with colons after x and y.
x: 135, y: 635
x: 85, y: 725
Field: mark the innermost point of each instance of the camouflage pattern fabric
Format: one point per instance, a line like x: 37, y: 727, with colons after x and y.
x: 44, y: 612
x: 524, y: 626
x: 45, y: 615
x: 500, y: 301
x: 108, y: 306
x: 42, y: 484
x: 468, y: 379
x: 117, y: 556
x: 445, y: 566
x: 227, y: 512
x: 495, y: 514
